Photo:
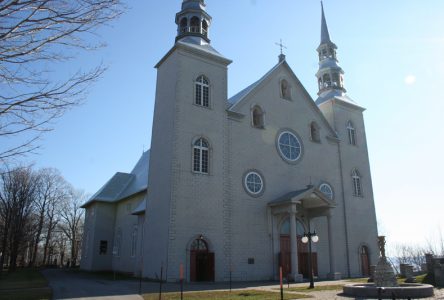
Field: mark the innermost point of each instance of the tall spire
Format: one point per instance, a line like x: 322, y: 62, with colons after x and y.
x: 325, y: 36
x: 330, y: 74
x: 193, y: 22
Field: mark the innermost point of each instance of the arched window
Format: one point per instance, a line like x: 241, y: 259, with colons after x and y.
x: 134, y: 242
x: 200, y: 156
x: 195, y: 25
x: 336, y: 80
x: 314, y: 132
x: 285, y: 89
x: 331, y: 52
x: 356, y: 180
x: 199, y: 245
x: 351, y: 132
x: 324, y: 53
x: 320, y: 83
x: 204, y: 28
x: 285, y: 227
x: 118, y: 243
x: 183, y: 25
x: 202, y: 96
x: 327, y: 80
x: 326, y: 189
x: 258, y: 117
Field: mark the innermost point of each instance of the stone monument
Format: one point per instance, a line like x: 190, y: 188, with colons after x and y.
x: 385, y: 285
x: 384, y: 275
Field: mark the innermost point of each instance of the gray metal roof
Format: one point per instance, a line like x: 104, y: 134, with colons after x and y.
x: 140, y: 177
x: 334, y: 94
x: 123, y: 185
x: 140, y: 209
x: 329, y: 63
x: 309, y: 197
x: 291, y: 195
x: 190, y: 42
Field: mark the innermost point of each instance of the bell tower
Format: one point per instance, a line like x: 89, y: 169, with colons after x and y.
x: 193, y: 22
x: 330, y: 74
x: 346, y: 117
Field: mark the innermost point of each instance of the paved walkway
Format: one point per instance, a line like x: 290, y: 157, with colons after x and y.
x: 81, y: 285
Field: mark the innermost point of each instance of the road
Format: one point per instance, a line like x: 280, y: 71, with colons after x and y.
x: 78, y: 285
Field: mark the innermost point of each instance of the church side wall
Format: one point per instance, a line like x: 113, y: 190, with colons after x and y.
x: 104, y: 221
x: 126, y: 223
x: 88, y: 238
x: 161, y: 156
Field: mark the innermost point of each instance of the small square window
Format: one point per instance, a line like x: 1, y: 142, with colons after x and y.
x: 251, y: 261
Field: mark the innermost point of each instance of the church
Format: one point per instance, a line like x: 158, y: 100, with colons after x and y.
x: 231, y: 187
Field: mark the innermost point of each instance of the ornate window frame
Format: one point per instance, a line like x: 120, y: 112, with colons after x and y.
x: 356, y: 183
x: 351, y: 133
x: 200, y: 155
x: 259, y: 175
x: 315, y: 132
x: 285, y: 89
x: 298, y: 139
x: 257, y: 121
x: 330, y: 195
x: 202, y: 91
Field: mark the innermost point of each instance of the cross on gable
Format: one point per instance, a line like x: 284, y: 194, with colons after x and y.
x: 282, y: 46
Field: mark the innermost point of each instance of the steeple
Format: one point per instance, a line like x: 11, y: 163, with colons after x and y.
x: 193, y: 22
x: 325, y: 36
x: 330, y: 74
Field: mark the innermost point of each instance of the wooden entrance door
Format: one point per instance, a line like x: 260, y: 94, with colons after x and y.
x: 285, y: 257
x: 201, y: 262
x: 365, y: 261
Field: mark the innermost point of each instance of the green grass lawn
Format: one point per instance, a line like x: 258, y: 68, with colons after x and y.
x: 358, y: 280
x: 24, y: 284
x: 226, y: 295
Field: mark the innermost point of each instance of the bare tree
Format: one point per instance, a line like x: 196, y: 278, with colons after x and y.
x: 72, y: 222
x: 410, y: 254
x: 52, y: 189
x: 17, y: 192
x: 35, y: 34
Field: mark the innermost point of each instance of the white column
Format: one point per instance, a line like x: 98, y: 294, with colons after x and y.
x: 331, y: 251
x: 294, y: 248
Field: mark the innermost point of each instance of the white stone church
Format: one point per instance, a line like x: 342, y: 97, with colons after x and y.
x: 231, y: 185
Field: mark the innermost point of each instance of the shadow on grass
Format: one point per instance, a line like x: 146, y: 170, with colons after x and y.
x: 24, y: 284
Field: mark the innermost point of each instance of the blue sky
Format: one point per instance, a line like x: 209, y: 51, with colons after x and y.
x: 391, y: 52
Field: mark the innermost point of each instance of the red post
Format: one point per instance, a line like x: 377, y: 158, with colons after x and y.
x: 280, y: 281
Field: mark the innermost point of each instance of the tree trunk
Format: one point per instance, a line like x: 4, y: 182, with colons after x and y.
x: 36, y: 241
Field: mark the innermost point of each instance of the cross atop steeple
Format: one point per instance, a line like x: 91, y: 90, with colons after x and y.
x: 282, y: 55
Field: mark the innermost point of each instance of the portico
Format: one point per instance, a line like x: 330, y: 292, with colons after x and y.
x: 300, y: 207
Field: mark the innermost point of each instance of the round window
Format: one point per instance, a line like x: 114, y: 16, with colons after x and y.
x: 254, y: 183
x: 289, y: 146
x: 326, y: 190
